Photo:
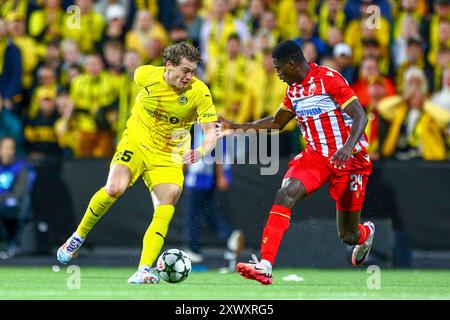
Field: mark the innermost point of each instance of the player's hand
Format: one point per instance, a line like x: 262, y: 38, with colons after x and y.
x: 224, y: 127
x: 191, y: 156
x: 341, y: 157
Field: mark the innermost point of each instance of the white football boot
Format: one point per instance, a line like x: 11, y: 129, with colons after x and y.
x: 361, y: 251
x: 145, y: 275
x: 69, y: 248
x: 255, y: 270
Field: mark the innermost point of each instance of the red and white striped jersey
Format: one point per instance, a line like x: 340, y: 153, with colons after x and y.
x: 318, y: 103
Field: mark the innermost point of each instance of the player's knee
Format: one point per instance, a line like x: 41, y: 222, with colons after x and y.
x: 348, y: 237
x: 286, y: 197
x: 115, y: 189
x: 170, y: 197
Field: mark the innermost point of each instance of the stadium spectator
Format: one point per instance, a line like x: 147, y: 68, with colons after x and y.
x: 310, y: 51
x: 442, y: 41
x: 263, y: 93
x: 53, y: 57
x: 72, y: 59
x: 46, y: 77
x: 204, y: 179
x: 253, y: 14
x: 352, y: 8
x: 228, y: 76
x: 371, y: 48
x: 19, y: 6
x: 306, y: 27
x: 151, y: 6
x: 40, y: 136
x: 168, y: 12
x: 217, y: 30
x: 28, y: 49
x: 116, y: 24
x: 153, y: 49
x: 113, y: 56
x: 11, y: 126
x: 408, y: 28
x: 86, y: 30
x: 334, y: 36
x: 263, y: 90
x: 365, y: 27
x: 331, y: 15
x: 328, y: 61
x: 416, y: 125
x: 375, y: 131
x: 104, y: 6
x: 434, y: 29
x: 10, y: 70
x: 128, y: 90
x: 95, y: 94
x: 409, y: 14
x: 369, y: 71
x: 191, y: 19
x: 415, y: 57
x: 13, y: 187
x: 46, y: 24
x: 442, y: 98
x: 288, y: 12
x: 268, y: 34
x: 342, y: 54
x: 178, y: 33
x: 65, y: 126
x: 146, y: 29
x: 442, y: 63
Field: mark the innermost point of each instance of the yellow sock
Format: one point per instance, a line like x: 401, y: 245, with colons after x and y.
x: 156, y: 234
x: 98, y: 206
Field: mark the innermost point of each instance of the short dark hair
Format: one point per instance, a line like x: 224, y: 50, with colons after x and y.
x: 288, y: 50
x: 234, y: 36
x: 175, y: 52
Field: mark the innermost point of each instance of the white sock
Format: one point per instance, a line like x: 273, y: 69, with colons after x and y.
x: 267, y: 264
x: 76, y: 235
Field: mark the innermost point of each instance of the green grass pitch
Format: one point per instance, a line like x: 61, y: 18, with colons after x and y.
x: 111, y: 283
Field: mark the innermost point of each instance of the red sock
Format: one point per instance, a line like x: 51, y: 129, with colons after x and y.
x: 364, y: 232
x: 276, y: 226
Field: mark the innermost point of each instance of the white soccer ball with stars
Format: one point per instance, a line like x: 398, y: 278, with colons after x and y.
x: 173, y: 266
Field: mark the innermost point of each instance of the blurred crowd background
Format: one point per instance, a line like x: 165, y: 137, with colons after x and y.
x: 66, y: 67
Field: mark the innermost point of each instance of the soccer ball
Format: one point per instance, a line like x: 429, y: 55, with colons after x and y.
x: 173, y: 266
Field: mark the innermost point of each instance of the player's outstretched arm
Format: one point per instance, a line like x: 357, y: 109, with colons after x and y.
x: 356, y: 112
x: 277, y: 122
x: 209, y: 143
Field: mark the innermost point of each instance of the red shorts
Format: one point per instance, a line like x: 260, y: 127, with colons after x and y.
x: 347, y: 186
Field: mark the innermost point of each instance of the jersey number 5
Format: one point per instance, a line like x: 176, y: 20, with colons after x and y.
x: 124, y: 156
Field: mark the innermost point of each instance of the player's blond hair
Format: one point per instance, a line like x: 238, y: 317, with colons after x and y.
x: 175, y: 52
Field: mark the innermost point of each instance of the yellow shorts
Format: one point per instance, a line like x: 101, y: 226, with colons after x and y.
x: 156, y: 167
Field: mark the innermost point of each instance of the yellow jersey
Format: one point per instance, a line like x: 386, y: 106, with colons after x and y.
x: 162, y: 117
